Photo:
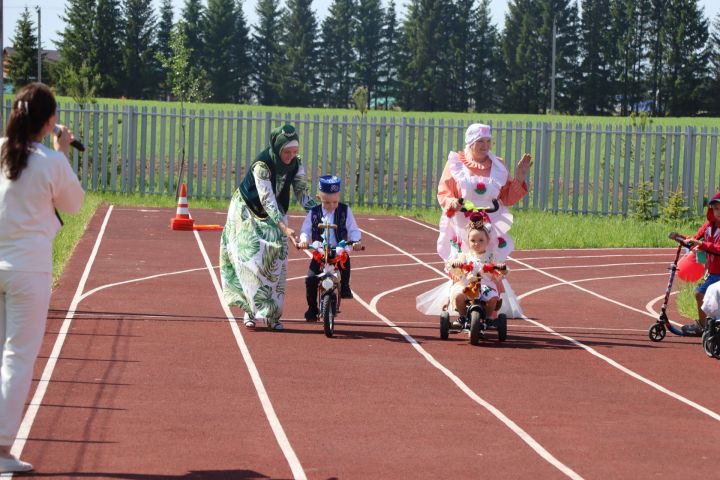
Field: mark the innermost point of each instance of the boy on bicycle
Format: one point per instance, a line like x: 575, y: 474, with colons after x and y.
x: 331, y: 210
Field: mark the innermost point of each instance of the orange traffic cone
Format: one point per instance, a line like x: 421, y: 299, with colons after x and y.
x: 182, y: 220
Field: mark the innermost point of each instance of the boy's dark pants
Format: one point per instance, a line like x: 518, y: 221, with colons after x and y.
x: 311, y: 283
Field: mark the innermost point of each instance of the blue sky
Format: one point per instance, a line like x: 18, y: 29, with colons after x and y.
x: 51, y: 10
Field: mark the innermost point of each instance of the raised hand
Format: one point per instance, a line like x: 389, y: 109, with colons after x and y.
x: 523, y: 167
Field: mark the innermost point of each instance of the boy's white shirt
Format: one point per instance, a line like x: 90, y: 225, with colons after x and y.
x: 350, y: 224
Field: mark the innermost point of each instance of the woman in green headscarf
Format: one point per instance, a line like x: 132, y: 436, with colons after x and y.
x: 253, y: 246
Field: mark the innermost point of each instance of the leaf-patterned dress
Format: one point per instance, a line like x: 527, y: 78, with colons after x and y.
x: 253, y: 250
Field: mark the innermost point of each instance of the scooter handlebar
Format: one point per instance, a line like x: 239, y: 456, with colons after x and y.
x: 681, y: 239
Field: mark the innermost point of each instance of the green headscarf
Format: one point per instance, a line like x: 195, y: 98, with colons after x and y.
x: 279, y: 137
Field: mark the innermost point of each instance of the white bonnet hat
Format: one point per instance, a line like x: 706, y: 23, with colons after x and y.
x: 475, y: 132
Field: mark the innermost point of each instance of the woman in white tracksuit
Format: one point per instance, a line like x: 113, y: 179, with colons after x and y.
x: 34, y: 182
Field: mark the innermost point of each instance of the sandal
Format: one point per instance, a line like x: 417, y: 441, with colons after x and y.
x: 249, y: 323
x: 277, y: 326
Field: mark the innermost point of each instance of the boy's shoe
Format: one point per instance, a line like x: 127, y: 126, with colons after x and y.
x: 277, y: 326
x: 345, y: 292
x: 311, y: 315
x: 692, y: 330
x: 459, y: 323
x: 12, y: 464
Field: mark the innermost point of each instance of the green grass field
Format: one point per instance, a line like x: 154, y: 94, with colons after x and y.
x: 487, y: 117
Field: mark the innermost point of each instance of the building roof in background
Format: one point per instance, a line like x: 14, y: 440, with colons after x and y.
x: 50, y: 55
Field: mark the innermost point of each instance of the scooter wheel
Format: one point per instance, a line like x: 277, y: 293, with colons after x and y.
x: 475, y: 327
x: 444, y: 325
x: 501, y: 325
x: 657, y: 332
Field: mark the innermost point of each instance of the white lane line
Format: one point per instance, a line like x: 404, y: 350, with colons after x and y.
x: 418, y: 223
x: 42, y: 385
x: 655, y: 313
x: 272, y: 417
x: 191, y: 270
x: 574, y: 257
x: 608, y: 360
x: 524, y: 436
x: 594, y: 279
x: 571, y: 267
x: 648, y: 307
x: 573, y: 284
x: 140, y: 279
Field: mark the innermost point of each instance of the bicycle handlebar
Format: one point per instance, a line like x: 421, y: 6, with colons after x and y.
x: 297, y: 245
x: 494, y: 208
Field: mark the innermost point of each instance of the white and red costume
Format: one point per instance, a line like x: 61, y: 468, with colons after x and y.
x: 476, y: 183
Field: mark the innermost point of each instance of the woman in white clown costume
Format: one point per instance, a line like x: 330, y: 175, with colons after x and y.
x: 471, y: 179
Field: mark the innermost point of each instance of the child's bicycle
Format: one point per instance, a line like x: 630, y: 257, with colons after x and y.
x: 331, y: 262
x: 476, y: 319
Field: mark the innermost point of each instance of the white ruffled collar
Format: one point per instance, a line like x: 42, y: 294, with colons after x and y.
x: 462, y: 168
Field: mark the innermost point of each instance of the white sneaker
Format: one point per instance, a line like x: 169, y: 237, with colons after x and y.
x: 12, y: 464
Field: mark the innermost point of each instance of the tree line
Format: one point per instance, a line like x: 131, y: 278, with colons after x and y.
x: 611, y: 56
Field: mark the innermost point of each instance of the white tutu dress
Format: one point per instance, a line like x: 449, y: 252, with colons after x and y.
x: 436, y: 300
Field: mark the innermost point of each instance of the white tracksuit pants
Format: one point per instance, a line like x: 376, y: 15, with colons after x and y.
x: 24, y: 301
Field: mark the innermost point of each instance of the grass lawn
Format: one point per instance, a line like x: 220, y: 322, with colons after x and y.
x: 495, y: 118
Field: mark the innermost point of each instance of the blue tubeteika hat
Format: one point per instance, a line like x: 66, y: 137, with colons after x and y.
x: 329, y: 184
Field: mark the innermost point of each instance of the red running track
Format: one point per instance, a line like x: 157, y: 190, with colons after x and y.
x: 154, y: 380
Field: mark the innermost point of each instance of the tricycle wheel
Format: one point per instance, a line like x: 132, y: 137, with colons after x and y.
x: 501, y: 325
x: 657, y: 332
x: 328, y: 314
x: 475, y: 327
x: 444, y: 325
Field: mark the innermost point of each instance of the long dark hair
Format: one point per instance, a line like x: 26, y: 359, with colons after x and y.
x: 34, y: 104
